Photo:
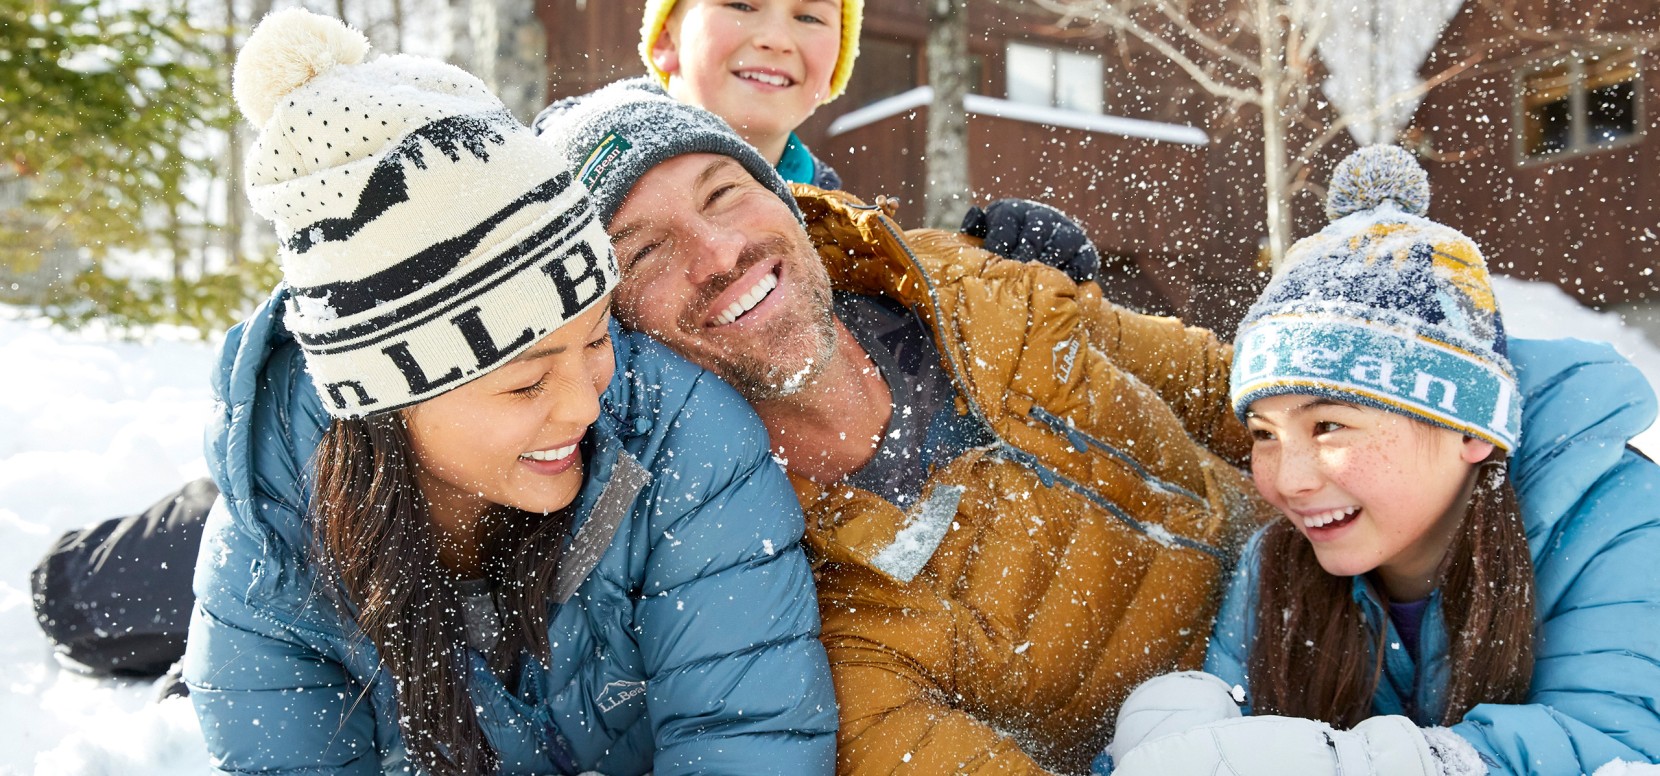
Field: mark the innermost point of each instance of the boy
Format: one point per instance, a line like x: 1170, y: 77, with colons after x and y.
x: 762, y: 65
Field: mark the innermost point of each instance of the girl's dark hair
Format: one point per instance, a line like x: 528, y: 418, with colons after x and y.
x: 1312, y: 656
x: 374, y: 540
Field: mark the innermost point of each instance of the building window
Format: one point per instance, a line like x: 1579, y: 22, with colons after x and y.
x: 1055, y: 78
x: 1580, y: 104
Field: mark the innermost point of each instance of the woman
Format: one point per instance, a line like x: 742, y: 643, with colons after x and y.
x: 450, y: 540
x: 1466, y: 604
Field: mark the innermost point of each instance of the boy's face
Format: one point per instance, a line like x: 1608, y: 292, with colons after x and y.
x: 763, y: 65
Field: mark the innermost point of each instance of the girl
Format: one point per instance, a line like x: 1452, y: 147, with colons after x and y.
x: 450, y: 541
x: 1464, y: 604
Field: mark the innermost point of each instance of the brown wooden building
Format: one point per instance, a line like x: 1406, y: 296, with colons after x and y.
x: 1546, y: 152
x: 1540, y: 151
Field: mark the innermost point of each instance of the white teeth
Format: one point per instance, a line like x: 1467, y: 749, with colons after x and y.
x: 766, y: 78
x: 748, y: 301
x: 1328, y: 517
x: 555, y: 454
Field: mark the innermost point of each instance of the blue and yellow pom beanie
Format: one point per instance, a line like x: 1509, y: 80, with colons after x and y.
x: 1383, y: 308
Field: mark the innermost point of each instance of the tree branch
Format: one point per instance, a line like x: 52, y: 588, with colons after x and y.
x: 1342, y: 123
x: 1205, y: 40
x: 1109, y: 15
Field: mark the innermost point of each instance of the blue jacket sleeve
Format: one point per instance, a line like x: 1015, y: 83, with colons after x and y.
x: 269, y: 698
x: 739, y: 680
x: 1230, y: 638
x: 1595, y: 695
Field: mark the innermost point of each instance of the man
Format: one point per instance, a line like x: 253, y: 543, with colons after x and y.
x: 1011, y: 524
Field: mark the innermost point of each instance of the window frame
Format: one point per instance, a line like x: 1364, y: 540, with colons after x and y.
x: 1578, y: 106
x: 1055, y: 54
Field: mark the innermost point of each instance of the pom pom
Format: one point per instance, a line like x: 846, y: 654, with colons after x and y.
x: 286, y: 50
x: 1374, y: 175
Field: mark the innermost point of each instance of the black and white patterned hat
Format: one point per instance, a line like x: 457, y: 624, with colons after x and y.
x: 427, y: 236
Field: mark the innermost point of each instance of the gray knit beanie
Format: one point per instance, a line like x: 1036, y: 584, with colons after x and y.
x: 623, y: 130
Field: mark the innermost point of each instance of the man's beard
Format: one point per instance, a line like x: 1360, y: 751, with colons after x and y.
x: 753, y: 372
x: 760, y: 379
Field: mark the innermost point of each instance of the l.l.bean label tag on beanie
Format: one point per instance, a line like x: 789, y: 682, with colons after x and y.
x: 601, y: 161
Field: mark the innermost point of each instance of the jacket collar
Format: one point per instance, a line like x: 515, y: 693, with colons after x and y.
x: 1417, y: 690
x: 866, y: 253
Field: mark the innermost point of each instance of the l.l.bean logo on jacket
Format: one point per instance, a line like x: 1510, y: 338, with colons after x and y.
x: 617, y: 693
x: 1065, y: 353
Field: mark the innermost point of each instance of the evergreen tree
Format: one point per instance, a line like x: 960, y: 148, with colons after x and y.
x: 106, y: 112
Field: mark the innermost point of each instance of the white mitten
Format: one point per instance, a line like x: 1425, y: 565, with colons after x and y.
x: 1269, y: 746
x: 1172, y: 703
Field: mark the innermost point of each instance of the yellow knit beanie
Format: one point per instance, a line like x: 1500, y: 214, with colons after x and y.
x: 853, y: 14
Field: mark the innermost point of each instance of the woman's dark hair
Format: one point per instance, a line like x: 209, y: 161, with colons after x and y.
x: 1312, y: 656
x: 373, y: 538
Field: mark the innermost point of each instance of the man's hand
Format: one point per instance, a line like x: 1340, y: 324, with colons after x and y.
x: 1024, y: 230
x: 1270, y: 746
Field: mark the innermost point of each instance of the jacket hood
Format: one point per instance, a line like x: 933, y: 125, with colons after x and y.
x: 267, y: 426
x: 1581, y: 404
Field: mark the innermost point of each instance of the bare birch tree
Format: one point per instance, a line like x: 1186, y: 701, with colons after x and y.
x: 1262, y: 54
x: 947, y: 147
x: 235, y: 200
x: 397, y: 22
x: 503, y: 43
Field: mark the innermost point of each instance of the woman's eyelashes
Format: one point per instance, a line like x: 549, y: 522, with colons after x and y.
x: 541, y: 384
x: 534, y: 389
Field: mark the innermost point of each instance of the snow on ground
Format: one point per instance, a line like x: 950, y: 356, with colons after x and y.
x: 92, y: 426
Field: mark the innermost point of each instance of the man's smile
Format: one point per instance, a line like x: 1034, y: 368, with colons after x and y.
x: 749, y: 299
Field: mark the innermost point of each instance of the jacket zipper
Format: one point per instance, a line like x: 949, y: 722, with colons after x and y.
x: 1047, y: 476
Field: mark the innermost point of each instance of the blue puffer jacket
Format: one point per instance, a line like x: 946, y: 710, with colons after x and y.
x: 1592, y: 511
x: 689, y: 647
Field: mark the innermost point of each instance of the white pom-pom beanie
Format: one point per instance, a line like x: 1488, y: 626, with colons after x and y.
x: 427, y: 236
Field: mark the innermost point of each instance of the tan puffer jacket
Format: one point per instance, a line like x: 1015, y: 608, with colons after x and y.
x: 997, y: 625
